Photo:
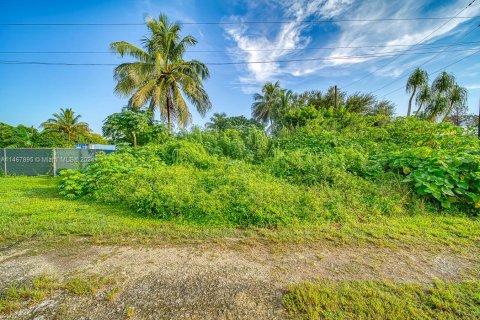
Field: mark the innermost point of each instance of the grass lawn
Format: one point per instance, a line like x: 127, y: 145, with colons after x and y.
x: 30, y: 208
x: 383, y: 300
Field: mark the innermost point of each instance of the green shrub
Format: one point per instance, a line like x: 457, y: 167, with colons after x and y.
x: 440, y: 176
x: 186, y: 152
x: 229, y: 194
x: 303, y: 167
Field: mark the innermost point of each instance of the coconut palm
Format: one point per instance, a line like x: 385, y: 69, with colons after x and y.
x: 285, y: 100
x: 160, y: 77
x: 265, y: 104
x: 66, y: 122
x: 417, y: 80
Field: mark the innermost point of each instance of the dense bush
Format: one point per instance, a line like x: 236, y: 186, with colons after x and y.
x: 304, y: 167
x: 445, y: 177
x: 325, y: 170
x: 231, y: 193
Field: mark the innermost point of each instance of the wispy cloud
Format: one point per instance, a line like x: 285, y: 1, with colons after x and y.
x: 249, y: 40
x: 473, y: 86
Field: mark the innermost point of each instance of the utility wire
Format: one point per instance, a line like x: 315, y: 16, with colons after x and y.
x: 420, y: 42
x: 229, y: 63
x: 61, y: 24
x: 430, y: 46
x: 424, y: 63
x: 438, y: 70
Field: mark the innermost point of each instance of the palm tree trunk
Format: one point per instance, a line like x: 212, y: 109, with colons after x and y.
x: 410, y: 102
x: 448, y: 113
x: 418, y: 110
x: 134, y: 139
x: 169, y: 120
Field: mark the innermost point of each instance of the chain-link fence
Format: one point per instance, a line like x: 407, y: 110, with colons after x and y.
x: 33, y: 162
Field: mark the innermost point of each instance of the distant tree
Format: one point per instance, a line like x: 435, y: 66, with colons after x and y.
x: 416, y: 81
x: 470, y: 122
x: 383, y: 108
x: 446, y: 95
x: 457, y: 99
x: 459, y: 115
x: 51, y: 139
x: 66, y: 122
x: 220, y: 122
x: 361, y: 103
x: 132, y: 126
x: 329, y: 98
x: 265, y: 104
x: 17, y: 137
x: 308, y: 98
x: 160, y: 78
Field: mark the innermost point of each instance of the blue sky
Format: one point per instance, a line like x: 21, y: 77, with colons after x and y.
x: 31, y: 93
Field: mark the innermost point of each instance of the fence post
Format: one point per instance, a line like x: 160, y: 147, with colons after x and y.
x: 5, y: 161
x: 54, y: 162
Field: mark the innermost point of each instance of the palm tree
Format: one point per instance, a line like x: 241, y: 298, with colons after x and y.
x: 285, y: 99
x: 457, y: 98
x: 423, y: 97
x: 66, y: 122
x: 440, y: 91
x: 217, y: 122
x: 265, y: 104
x: 416, y: 80
x: 161, y: 78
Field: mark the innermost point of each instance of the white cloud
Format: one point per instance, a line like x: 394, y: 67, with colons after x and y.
x: 473, y: 86
x: 298, y: 35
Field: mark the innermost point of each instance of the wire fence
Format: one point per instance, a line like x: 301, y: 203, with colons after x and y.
x: 34, y: 162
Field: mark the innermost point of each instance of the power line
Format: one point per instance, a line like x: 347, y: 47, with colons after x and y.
x: 430, y: 46
x: 424, y: 63
x: 438, y: 70
x: 94, y: 24
x: 16, y: 62
x: 418, y: 43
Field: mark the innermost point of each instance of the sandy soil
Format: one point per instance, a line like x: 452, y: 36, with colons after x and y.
x: 228, y: 280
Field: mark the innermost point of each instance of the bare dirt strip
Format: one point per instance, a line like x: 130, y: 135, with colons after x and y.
x: 228, y: 280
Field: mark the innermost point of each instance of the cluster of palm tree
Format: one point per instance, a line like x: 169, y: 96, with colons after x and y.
x: 161, y: 78
x: 436, y: 101
x: 273, y: 102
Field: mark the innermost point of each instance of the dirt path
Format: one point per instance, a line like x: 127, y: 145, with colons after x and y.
x: 215, y: 281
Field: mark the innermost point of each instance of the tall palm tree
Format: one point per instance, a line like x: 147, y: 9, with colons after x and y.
x: 416, y: 80
x: 457, y: 98
x: 66, y: 122
x: 265, y: 104
x: 440, y: 90
x: 423, y: 97
x: 160, y: 77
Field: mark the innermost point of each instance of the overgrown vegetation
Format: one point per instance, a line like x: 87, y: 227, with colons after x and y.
x: 337, y: 167
x: 383, y: 300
